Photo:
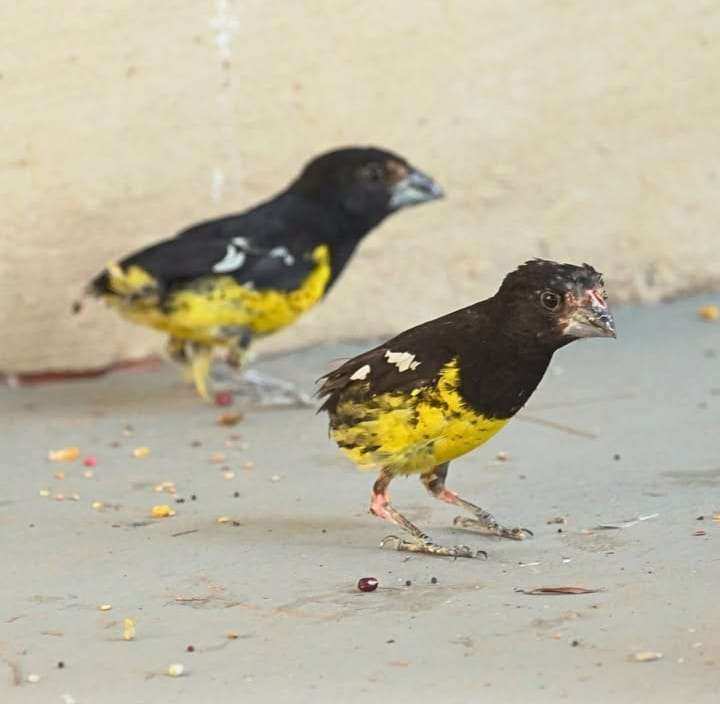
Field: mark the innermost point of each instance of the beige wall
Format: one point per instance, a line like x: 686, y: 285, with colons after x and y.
x: 573, y: 130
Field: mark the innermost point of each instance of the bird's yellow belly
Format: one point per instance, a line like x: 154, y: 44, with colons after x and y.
x: 209, y: 308
x: 407, y: 434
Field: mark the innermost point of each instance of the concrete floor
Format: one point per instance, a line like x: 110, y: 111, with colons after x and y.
x: 617, y: 430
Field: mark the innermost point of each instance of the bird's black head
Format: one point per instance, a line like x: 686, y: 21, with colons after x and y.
x: 555, y: 303
x: 364, y: 183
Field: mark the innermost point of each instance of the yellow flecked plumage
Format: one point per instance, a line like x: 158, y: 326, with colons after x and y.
x: 199, y: 312
x: 407, y: 434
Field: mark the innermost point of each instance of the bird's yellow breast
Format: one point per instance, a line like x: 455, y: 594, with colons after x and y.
x: 201, y: 311
x: 411, y: 432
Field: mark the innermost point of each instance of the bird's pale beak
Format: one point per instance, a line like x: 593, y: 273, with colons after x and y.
x: 414, y: 188
x: 591, y: 319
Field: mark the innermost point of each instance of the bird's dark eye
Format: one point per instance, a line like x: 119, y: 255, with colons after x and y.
x: 372, y: 173
x: 550, y: 300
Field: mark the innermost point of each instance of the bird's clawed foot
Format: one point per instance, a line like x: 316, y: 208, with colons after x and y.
x: 479, y: 525
x: 393, y: 542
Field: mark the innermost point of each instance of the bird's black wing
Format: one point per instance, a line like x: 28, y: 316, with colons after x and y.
x: 412, y: 360
x: 257, y: 251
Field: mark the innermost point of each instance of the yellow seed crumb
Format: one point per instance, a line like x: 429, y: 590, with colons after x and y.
x: 140, y: 452
x: 232, y: 635
x: 229, y: 475
x: 128, y: 629
x: 105, y: 607
x: 44, y: 492
x: 67, y: 454
x: 248, y: 465
x: 710, y: 312
x: 217, y: 457
x: 97, y: 505
x: 175, y: 670
x: 223, y: 519
x: 161, y: 511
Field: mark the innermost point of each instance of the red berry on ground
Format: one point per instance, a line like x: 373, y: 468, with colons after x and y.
x: 90, y: 461
x: 224, y: 398
x: 367, y: 584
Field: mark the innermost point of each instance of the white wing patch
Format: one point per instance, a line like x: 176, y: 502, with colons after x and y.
x: 360, y: 374
x: 237, y: 252
x: 234, y: 257
x: 402, y: 360
x: 282, y: 253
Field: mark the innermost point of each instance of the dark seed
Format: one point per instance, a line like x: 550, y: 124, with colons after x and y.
x: 433, y: 580
x: 392, y: 640
x: 180, y: 501
x: 190, y: 648
x: 616, y: 457
x: 193, y: 497
x: 559, y: 530
x: 60, y: 665
x: 236, y: 494
x: 367, y: 584
x: 408, y: 583
x: 575, y: 643
x: 195, y: 443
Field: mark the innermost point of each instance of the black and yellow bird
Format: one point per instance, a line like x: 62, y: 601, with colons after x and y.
x: 441, y: 389
x: 223, y: 282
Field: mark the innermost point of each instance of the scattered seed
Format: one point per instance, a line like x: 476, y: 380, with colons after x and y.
x: 44, y: 492
x: 710, y: 312
x: 231, y: 635
x: 59, y: 497
x: 97, y: 505
x: 217, y: 457
x: 190, y: 649
x: 59, y: 475
x: 224, y: 398
x: 105, y: 607
x: 229, y: 418
x: 556, y: 519
x: 700, y: 531
x: 128, y: 629
x: 502, y: 456
x: 433, y: 580
x: 236, y: 494
x: 616, y: 457
x: 248, y: 465
x: 196, y: 443
x: 180, y: 501
x: 193, y: 497
x: 408, y: 583
x: 61, y: 665
x: 74, y: 497
x: 224, y: 519
x: 88, y: 474
x: 161, y: 511
x: 275, y: 478
x: 140, y: 452
x: 175, y: 670
x: 67, y: 454
x: 646, y: 656
x: 229, y: 475
x: 575, y: 643
x: 90, y: 461
x: 367, y: 584
x: 33, y: 678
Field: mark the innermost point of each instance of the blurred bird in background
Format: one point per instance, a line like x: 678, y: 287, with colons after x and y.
x: 441, y: 389
x: 223, y: 282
